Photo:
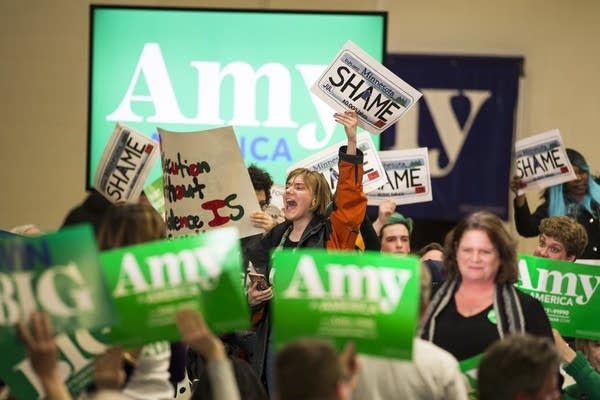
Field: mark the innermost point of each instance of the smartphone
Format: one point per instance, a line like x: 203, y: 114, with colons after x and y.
x: 263, y: 284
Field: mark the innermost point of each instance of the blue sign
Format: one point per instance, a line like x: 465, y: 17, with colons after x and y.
x: 466, y: 118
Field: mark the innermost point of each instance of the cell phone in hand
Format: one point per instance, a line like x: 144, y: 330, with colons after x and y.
x: 263, y: 283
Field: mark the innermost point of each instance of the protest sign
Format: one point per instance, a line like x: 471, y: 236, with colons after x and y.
x: 371, y: 299
x: 125, y: 164
x: 541, y: 161
x: 326, y: 162
x: 567, y: 291
x: 154, y: 193
x: 469, y: 367
x: 356, y: 81
x: 277, y: 192
x: 58, y: 273
x: 408, y: 179
x: 150, y: 282
x: 206, y: 184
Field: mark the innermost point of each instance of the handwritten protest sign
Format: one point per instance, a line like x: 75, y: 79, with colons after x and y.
x: 326, y: 162
x: 371, y: 299
x: 58, y: 273
x: 152, y: 281
x: 206, y: 184
x: 541, y: 161
x: 567, y: 291
x: 125, y: 164
x: 408, y: 178
x: 356, y: 81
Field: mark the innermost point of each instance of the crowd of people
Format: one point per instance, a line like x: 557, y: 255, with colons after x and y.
x: 470, y: 307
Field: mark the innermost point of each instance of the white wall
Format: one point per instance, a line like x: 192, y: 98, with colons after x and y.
x: 44, y: 67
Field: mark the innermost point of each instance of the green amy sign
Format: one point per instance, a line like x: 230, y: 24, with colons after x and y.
x: 60, y: 274
x: 371, y: 299
x: 150, y: 282
x: 568, y: 292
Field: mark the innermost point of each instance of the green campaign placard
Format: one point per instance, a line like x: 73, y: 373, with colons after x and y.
x: 150, y: 282
x: 58, y: 273
x: 567, y: 291
x: 469, y: 368
x: 369, y: 298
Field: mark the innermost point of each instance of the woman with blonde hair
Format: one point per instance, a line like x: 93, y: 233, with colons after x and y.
x: 309, y: 224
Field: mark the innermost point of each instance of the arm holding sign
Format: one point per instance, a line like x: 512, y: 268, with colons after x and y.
x: 43, y: 355
x: 350, y: 203
x: 527, y: 224
x: 196, y: 334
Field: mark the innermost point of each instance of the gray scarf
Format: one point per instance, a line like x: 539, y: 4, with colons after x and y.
x: 507, y: 307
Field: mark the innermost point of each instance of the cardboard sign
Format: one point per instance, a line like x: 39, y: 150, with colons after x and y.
x: 126, y: 162
x: 371, y: 299
x: 356, y: 81
x: 567, y: 291
x: 60, y: 274
x: 408, y: 178
x: 541, y: 161
x: 206, y: 184
x: 150, y: 282
x: 326, y: 162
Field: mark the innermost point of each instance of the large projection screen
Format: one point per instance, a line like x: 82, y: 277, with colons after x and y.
x: 187, y: 69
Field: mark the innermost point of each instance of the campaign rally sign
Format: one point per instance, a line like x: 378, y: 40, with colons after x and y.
x: 126, y: 162
x: 150, y: 282
x: 408, y: 179
x: 356, y: 81
x: 371, y: 299
x: 541, y: 161
x: 567, y: 291
x: 155, y: 194
x: 469, y: 367
x: 58, y: 273
x: 206, y: 184
x: 326, y: 162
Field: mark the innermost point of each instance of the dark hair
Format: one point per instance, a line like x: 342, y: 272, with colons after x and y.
x: 307, y: 369
x: 567, y: 231
x: 249, y: 386
x: 519, y: 363
x: 501, y: 239
x: 429, y: 247
x: 261, y: 180
x: 576, y: 158
x: 127, y: 224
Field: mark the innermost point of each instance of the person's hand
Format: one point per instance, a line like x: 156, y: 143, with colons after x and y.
x: 262, y: 220
x: 350, y: 121
x: 108, y: 370
x: 255, y: 296
x: 350, y: 364
x: 386, y: 209
x: 41, y: 348
x: 43, y: 355
x: 566, y: 352
x: 196, y: 334
x: 515, y: 184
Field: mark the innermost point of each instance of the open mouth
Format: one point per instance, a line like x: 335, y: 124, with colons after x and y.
x: 290, y: 204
